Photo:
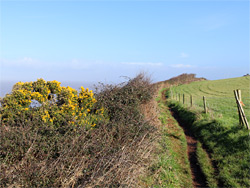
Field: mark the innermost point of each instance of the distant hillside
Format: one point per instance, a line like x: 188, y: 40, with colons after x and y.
x: 181, y: 79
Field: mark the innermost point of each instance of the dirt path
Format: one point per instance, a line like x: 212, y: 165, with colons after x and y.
x: 198, y: 177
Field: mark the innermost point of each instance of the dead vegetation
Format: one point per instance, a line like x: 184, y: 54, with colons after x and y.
x: 114, y: 154
x: 181, y: 79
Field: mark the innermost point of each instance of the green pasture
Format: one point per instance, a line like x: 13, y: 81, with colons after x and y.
x: 219, y: 96
x: 217, y: 131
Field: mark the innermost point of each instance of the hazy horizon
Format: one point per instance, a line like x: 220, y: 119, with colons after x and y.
x: 6, y: 86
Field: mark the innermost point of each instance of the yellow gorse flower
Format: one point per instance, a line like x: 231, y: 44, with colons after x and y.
x: 56, y: 102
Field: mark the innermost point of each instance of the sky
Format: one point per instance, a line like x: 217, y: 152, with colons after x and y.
x: 103, y: 41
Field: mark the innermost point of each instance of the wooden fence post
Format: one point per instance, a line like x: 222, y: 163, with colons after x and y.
x: 191, y: 100
x: 183, y: 98
x: 242, y: 115
x: 238, y: 92
x: 205, y: 104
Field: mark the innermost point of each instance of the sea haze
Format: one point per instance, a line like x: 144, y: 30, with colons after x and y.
x: 6, y: 86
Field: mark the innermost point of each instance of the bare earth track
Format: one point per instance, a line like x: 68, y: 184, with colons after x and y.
x: 198, y: 177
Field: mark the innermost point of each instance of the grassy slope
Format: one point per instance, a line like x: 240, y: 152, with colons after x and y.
x: 219, y: 130
x: 219, y: 95
x: 171, y: 167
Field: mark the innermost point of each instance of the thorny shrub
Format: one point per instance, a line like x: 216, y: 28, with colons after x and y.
x: 33, y: 154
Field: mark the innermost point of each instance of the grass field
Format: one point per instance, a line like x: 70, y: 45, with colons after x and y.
x: 219, y: 130
x: 219, y: 96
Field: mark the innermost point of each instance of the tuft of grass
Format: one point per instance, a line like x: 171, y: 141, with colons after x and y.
x: 206, y: 166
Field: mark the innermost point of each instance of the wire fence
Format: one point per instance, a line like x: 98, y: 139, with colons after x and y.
x: 218, y: 106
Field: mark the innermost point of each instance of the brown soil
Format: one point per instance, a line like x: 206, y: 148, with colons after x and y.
x: 198, y: 177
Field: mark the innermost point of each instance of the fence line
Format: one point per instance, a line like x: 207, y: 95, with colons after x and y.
x: 217, y: 105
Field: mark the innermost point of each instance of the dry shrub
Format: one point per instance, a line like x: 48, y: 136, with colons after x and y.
x: 113, y: 154
x: 181, y: 79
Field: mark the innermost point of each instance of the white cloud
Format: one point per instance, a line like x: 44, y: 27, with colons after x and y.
x: 184, y: 55
x: 28, y: 60
x: 181, y: 66
x: 78, y: 64
x: 21, y: 62
x: 31, y: 63
x: 143, y: 63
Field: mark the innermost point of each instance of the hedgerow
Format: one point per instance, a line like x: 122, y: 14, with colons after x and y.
x: 53, y: 136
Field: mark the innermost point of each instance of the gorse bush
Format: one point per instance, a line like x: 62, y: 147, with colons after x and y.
x: 55, y: 105
x: 47, y: 139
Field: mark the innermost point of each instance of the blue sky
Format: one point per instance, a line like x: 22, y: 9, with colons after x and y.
x: 93, y: 41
